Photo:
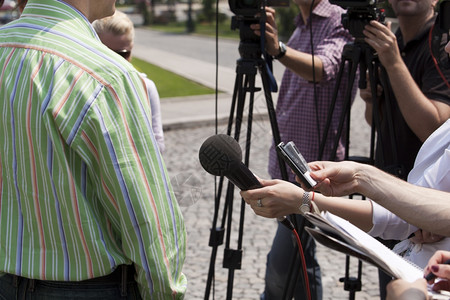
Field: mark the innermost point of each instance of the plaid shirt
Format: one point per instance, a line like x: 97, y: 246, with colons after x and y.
x: 296, y: 108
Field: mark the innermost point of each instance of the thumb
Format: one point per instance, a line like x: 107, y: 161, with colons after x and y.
x: 389, y: 25
x: 441, y: 271
x: 319, y: 175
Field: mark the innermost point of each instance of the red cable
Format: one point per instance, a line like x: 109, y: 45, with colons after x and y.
x: 434, y: 58
x: 302, y: 256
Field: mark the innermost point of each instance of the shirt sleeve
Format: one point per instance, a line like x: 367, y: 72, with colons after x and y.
x: 155, y: 105
x: 330, y: 51
x: 389, y: 226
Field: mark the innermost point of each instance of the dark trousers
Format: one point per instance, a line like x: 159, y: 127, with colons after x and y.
x: 283, y: 253
x: 107, y: 287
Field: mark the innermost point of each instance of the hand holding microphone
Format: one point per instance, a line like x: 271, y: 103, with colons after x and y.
x: 221, y: 155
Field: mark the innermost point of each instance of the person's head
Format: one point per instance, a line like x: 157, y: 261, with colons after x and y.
x: 94, y: 9
x: 413, y: 8
x: 117, y: 33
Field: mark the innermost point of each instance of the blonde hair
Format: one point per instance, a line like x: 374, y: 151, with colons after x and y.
x: 117, y: 24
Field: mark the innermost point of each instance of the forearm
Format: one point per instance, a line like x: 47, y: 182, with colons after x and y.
x: 414, y: 204
x: 357, y: 212
x: 422, y: 115
x: 280, y: 198
x: 302, y: 64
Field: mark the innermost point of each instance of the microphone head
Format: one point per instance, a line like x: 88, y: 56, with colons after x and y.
x: 220, y: 154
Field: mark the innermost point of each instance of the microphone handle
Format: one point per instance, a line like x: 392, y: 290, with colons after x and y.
x: 245, y: 180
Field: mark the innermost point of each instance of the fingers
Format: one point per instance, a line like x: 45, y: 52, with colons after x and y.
x: 441, y: 271
x: 439, y: 265
x: 270, y: 15
x: 379, y: 34
x: 265, y: 207
x: 439, y: 257
x: 251, y: 196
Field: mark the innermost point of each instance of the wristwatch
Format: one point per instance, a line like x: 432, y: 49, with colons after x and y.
x: 306, y: 203
x: 282, y: 50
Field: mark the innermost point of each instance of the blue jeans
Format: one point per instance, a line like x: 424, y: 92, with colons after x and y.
x: 13, y: 287
x: 283, y: 253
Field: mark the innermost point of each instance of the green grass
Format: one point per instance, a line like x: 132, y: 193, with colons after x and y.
x: 168, y: 83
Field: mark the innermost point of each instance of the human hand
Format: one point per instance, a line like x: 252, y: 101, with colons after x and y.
x: 400, y: 289
x: 335, y: 178
x: 438, y: 265
x: 271, y: 30
x: 384, y: 42
x: 277, y: 198
x: 425, y: 237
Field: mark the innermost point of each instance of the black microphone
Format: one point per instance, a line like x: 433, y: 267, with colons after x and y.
x: 221, y: 155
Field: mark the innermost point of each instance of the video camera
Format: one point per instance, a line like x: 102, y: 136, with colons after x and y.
x: 359, y: 14
x: 250, y: 12
x: 250, y: 8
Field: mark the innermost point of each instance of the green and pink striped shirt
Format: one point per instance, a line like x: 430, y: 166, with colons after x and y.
x: 83, y: 186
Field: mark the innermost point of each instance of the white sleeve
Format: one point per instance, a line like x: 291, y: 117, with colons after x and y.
x: 155, y: 106
x: 388, y: 226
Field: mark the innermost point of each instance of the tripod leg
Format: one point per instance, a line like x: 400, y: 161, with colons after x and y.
x: 217, y: 234
x: 353, y: 65
x: 351, y: 56
x: 233, y: 257
x: 272, y: 117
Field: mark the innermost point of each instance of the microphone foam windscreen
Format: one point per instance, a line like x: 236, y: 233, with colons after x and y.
x: 219, y: 154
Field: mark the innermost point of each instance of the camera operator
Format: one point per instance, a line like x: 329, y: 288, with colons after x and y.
x: 422, y: 97
x: 419, y: 95
x: 301, y: 117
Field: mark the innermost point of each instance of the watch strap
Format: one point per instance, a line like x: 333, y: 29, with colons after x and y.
x: 306, y: 203
x: 282, y: 50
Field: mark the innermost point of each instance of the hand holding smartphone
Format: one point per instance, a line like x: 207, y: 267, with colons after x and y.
x: 296, y: 162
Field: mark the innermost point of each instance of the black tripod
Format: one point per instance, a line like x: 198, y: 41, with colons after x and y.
x: 362, y: 55
x: 251, y: 61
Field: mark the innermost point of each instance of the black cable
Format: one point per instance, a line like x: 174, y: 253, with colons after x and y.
x: 316, y: 101
x: 217, y: 70
x: 216, y: 124
x: 311, y: 42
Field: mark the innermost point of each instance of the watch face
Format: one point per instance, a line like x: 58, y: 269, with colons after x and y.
x: 304, y: 208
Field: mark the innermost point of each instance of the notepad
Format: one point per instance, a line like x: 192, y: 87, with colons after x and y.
x: 341, y: 235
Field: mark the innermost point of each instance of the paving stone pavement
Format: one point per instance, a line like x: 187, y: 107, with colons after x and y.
x: 195, y: 193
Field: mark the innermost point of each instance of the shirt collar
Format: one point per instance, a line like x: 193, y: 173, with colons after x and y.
x: 425, y: 30
x: 58, y: 10
x: 322, y: 10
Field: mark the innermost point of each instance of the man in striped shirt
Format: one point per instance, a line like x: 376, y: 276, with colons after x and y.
x: 83, y: 189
